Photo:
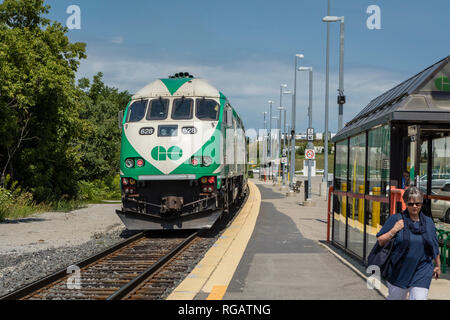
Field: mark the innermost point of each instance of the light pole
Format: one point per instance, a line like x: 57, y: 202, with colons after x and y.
x: 310, y: 143
x: 327, y: 98
x: 341, y: 96
x: 288, y: 148
x: 297, y: 56
x: 279, y: 147
x: 265, y: 122
x: 263, y: 158
x: 279, y: 136
x: 284, y: 124
x: 273, y: 176
x: 270, y: 130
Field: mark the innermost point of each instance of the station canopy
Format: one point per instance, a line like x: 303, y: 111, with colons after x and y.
x: 423, y: 97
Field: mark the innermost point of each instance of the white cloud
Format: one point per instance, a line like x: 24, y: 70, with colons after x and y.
x: 249, y: 85
x: 117, y: 40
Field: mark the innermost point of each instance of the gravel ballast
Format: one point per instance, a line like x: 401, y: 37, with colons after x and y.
x: 36, y: 247
x: 19, y: 269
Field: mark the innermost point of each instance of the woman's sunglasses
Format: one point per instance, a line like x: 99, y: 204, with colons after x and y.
x: 417, y: 204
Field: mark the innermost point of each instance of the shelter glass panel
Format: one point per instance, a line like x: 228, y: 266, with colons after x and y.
x: 379, y: 161
x: 376, y: 215
x: 339, y: 216
x: 340, y: 184
x: 377, y: 212
x: 440, y: 181
x: 357, y: 167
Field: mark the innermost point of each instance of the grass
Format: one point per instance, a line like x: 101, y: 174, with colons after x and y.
x: 16, y: 203
x: 319, y: 162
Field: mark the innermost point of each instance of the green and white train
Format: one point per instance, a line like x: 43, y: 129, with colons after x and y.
x: 183, y: 155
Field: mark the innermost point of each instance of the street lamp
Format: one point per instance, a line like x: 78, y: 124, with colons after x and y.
x: 284, y: 124
x: 262, y: 150
x: 341, y: 97
x: 265, y: 122
x: 273, y: 176
x: 310, y: 143
x: 270, y: 129
x: 279, y: 137
x: 279, y: 141
x: 297, y: 56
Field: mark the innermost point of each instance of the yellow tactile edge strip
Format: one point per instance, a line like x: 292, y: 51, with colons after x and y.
x: 215, y: 271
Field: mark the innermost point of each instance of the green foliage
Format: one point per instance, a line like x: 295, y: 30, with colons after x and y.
x: 60, y: 141
x: 15, y: 203
x: 38, y: 100
x: 302, y: 147
x: 100, y: 144
x: 98, y: 190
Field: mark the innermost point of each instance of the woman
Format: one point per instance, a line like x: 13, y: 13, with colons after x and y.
x: 415, y: 247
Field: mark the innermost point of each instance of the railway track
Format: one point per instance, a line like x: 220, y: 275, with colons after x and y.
x: 132, y: 269
x: 144, y: 266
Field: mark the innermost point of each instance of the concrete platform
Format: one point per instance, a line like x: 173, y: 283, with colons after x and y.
x: 284, y: 260
x: 276, y: 250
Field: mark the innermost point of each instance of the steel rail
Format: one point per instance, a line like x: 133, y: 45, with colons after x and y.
x: 130, y: 286
x: 59, y: 275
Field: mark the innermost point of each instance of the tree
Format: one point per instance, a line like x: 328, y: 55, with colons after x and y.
x: 100, y: 144
x: 40, y: 125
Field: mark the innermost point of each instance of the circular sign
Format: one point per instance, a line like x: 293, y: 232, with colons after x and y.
x: 310, y: 154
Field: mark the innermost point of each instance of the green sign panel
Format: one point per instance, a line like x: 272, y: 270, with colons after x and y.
x: 442, y: 83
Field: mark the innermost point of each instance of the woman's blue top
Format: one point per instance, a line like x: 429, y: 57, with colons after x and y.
x: 416, y: 268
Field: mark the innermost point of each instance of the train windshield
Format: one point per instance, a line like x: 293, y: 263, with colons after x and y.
x: 157, y: 109
x: 136, y: 111
x: 207, y: 109
x: 182, y: 109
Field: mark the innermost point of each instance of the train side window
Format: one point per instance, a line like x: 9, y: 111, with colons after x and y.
x: 157, y: 109
x: 207, y: 109
x: 136, y: 111
x: 182, y: 109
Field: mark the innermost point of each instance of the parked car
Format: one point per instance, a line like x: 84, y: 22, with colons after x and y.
x: 438, y: 181
x: 440, y: 209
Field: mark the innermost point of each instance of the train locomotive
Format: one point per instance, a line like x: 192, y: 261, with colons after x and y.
x: 183, y: 155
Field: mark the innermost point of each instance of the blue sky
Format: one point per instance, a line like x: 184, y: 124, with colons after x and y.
x: 246, y: 48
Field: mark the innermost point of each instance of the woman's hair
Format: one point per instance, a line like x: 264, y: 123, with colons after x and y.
x: 412, y: 192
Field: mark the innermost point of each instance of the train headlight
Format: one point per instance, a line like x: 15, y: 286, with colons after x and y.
x: 129, y: 163
x: 207, y: 161
x: 125, y: 181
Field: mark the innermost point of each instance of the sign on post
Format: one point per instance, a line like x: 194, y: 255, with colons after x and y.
x: 310, y: 154
x: 310, y: 134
